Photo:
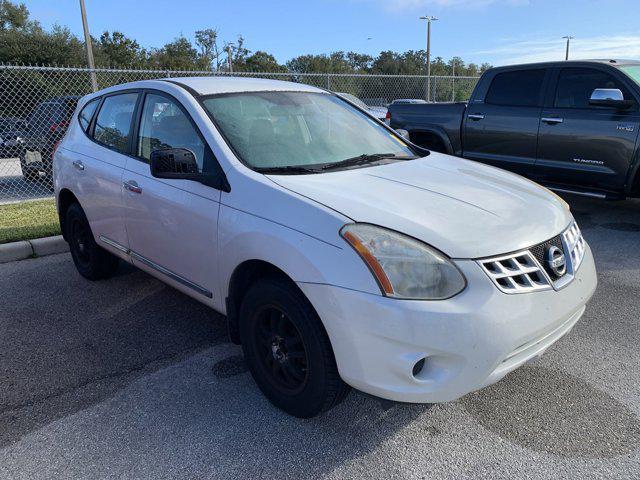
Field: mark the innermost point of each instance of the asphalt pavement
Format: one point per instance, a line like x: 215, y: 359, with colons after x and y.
x: 127, y: 378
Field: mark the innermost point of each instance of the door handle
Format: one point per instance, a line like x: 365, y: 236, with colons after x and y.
x: 552, y: 120
x: 132, y: 186
x: 476, y: 116
x: 78, y: 164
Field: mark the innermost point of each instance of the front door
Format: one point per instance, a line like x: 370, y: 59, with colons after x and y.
x: 585, y: 145
x: 172, y: 224
x: 502, y: 130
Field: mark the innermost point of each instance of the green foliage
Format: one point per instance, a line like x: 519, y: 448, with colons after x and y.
x: 24, y: 41
x: 209, y: 56
x: 12, y: 15
x: 260, y: 62
x: 117, y: 50
x: 177, y: 55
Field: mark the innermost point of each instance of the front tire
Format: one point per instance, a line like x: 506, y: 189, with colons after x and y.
x: 287, y: 349
x: 92, y: 262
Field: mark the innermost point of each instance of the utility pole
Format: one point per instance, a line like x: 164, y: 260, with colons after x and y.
x: 429, y: 19
x: 87, y: 42
x: 453, y: 81
x: 229, y: 61
x: 569, y: 38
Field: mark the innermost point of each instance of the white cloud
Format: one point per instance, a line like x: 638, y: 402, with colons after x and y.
x: 402, y: 6
x: 620, y: 46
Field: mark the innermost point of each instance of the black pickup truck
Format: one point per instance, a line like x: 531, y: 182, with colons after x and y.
x: 572, y: 126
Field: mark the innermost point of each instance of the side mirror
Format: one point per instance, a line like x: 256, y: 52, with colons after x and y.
x: 181, y: 164
x: 403, y: 133
x: 609, y: 97
x: 175, y: 163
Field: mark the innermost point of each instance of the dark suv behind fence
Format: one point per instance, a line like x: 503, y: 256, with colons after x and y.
x: 44, y: 128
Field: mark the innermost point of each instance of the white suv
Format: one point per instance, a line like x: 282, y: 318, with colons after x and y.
x: 341, y: 254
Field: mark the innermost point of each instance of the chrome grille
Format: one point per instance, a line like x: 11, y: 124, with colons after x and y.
x: 516, y: 273
x: 524, y: 271
x: 575, y: 244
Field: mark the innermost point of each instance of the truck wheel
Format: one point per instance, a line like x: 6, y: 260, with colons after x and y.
x: 287, y: 349
x: 30, y: 174
x: 92, y: 262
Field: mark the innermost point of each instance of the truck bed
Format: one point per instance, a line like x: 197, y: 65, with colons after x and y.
x: 418, y: 119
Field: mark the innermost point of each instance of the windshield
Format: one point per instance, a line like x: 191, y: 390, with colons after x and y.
x: 354, y: 99
x: 297, y: 129
x: 633, y: 71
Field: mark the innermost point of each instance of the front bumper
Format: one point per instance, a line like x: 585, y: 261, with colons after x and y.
x: 468, y: 342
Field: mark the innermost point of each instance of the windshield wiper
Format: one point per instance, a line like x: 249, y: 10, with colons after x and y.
x: 286, y: 169
x: 363, y: 159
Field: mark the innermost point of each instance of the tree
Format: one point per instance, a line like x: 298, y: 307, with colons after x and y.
x: 117, y: 50
x: 359, y: 62
x: 335, y: 62
x: 236, y: 52
x: 176, y: 55
x: 207, y: 41
x: 24, y: 41
x: 13, y: 16
x: 261, y: 62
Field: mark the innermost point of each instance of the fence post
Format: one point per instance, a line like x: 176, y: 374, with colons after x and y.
x: 328, y: 82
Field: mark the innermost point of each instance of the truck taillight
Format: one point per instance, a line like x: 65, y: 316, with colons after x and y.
x: 388, y: 115
x: 55, y: 147
x: 58, y: 125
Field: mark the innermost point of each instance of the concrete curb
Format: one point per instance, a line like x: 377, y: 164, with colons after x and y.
x: 39, y: 247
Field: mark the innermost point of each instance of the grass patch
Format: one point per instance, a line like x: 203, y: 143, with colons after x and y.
x: 27, y: 220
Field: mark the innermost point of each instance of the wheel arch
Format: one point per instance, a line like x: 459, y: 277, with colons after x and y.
x: 65, y: 199
x: 431, y: 133
x: 243, y: 276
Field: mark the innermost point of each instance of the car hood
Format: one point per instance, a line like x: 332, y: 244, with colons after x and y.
x: 463, y: 208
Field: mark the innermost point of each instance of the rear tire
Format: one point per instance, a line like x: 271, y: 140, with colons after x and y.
x: 29, y: 173
x: 92, y: 262
x: 287, y: 349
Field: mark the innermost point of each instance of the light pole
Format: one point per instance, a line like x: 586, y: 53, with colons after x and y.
x: 87, y: 42
x: 569, y: 38
x: 429, y: 19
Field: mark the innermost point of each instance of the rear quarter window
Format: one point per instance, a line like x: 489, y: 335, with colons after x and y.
x: 85, y: 115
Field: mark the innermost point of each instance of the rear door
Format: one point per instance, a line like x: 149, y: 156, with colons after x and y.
x: 172, y: 224
x: 501, y: 126
x: 98, y: 162
x: 581, y: 144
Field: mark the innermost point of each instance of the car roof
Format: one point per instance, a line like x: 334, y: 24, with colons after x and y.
x: 228, y: 84
x: 607, y: 61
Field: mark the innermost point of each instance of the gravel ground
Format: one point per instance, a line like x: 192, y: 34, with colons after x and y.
x: 127, y: 378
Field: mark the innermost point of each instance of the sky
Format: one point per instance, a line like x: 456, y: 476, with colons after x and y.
x: 495, y: 31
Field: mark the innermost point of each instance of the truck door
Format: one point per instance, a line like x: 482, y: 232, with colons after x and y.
x: 583, y: 144
x: 501, y: 126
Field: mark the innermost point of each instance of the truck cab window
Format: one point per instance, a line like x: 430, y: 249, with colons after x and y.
x: 521, y: 88
x: 575, y: 86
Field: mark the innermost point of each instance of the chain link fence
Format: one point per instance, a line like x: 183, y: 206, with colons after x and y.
x: 36, y: 104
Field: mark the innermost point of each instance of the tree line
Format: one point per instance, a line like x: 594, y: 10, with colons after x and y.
x: 24, y: 41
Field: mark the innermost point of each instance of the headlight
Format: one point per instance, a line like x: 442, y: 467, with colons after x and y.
x: 403, y: 266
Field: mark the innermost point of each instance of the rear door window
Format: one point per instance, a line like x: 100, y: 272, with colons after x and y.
x: 520, y: 88
x: 114, y: 121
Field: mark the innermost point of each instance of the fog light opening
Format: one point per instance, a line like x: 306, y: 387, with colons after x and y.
x: 417, y: 368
